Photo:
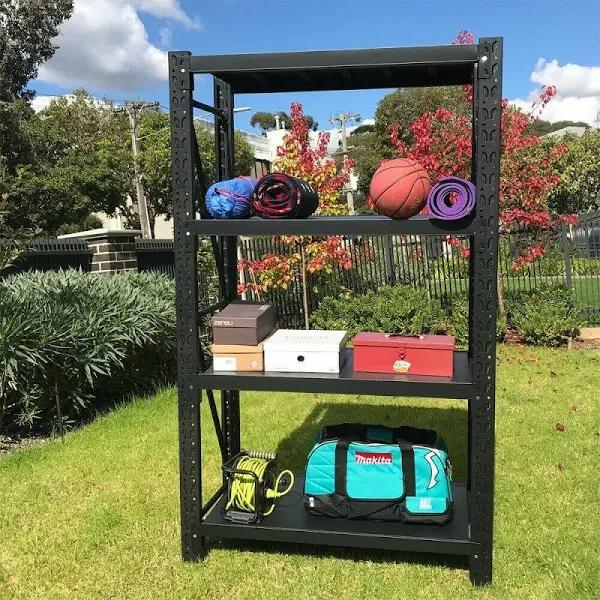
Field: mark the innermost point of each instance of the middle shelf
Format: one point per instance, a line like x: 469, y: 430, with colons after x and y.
x: 460, y: 385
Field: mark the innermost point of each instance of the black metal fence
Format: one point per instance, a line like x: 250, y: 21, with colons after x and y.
x: 572, y: 259
x: 156, y: 256
x: 47, y: 255
x: 435, y: 263
x: 439, y: 264
x: 375, y: 261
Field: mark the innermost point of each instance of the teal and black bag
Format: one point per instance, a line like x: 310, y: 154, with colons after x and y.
x: 374, y: 472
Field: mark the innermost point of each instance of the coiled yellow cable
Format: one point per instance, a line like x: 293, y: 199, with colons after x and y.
x: 241, y: 495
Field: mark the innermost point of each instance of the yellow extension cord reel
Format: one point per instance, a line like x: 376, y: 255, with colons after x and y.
x: 253, y: 487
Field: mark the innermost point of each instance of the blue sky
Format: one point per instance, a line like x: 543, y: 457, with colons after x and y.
x: 101, y: 44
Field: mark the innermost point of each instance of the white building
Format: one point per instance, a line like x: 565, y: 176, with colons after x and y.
x: 569, y: 130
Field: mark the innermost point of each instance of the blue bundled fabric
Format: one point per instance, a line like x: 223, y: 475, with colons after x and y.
x: 358, y: 471
x: 230, y: 199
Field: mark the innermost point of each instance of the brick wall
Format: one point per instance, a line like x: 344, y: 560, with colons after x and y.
x: 114, y: 249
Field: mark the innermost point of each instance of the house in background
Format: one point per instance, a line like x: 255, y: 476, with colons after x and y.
x: 569, y: 130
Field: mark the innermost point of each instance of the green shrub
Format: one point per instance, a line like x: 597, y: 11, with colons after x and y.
x: 443, y: 268
x: 456, y: 321
x: 586, y: 266
x: 400, y: 309
x: 546, y: 316
x: 80, y: 341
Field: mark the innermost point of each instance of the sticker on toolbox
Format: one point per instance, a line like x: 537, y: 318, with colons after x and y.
x: 401, y: 366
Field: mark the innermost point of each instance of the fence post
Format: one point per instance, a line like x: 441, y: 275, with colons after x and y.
x: 388, y: 252
x: 567, y: 255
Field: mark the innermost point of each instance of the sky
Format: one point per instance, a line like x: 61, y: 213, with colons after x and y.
x: 117, y: 48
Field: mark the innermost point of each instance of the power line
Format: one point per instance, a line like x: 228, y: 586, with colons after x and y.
x: 343, y: 119
x: 134, y: 108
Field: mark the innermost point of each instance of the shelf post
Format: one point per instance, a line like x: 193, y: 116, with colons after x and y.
x: 487, y: 105
x: 224, y: 151
x: 186, y: 286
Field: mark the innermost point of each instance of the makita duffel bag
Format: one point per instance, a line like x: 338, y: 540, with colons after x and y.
x: 374, y: 472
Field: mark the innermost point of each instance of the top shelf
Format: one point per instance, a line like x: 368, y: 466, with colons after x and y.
x: 343, y: 225
x: 342, y: 69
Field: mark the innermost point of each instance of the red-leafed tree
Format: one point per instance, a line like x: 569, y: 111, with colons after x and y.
x: 306, y: 256
x: 441, y: 142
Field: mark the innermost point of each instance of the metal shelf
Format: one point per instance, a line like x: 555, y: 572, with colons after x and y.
x: 347, y: 381
x: 470, y: 532
x: 349, y: 225
x: 290, y: 522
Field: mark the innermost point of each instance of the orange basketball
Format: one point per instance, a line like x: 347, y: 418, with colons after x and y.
x: 399, y: 188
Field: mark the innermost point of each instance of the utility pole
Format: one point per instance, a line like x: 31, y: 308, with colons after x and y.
x: 134, y: 109
x: 343, y: 119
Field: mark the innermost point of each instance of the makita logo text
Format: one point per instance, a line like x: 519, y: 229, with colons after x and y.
x: 373, y: 458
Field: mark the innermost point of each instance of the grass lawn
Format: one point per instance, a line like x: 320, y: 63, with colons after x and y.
x: 96, y: 515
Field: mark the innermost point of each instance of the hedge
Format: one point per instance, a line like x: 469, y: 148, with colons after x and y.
x: 72, y: 343
x: 546, y: 316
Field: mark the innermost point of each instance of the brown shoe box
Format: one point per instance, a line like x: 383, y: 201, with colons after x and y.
x: 244, y: 323
x: 233, y: 357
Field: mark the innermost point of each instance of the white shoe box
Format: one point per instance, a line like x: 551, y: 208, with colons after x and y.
x: 304, y: 351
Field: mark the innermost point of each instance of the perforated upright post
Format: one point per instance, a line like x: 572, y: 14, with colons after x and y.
x: 188, y: 344
x: 224, y: 150
x: 484, y: 305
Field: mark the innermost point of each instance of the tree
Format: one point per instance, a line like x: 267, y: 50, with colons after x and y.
x: 10, y: 248
x: 267, y: 121
x: 579, y: 168
x: 441, y: 141
x: 399, y: 108
x: 297, y: 157
x: 26, y: 33
x: 264, y: 120
x: 155, y: 161
x: 405, y: 105
x: 81, y: 164
x: 306, y: 256
x: 528, y: 173
x: 311, y: 123
x: 362, y: 129
x: 368, y: 153
x: 242, y: 151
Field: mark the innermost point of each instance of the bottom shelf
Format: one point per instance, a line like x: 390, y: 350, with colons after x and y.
x: 291, y: 523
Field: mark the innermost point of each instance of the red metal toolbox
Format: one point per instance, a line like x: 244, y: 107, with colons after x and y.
x: 402, y: 354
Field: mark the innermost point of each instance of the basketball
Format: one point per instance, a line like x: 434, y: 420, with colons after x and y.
x: 399, y: 188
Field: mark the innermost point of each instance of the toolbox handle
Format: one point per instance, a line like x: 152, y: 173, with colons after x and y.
x: 419, y: 336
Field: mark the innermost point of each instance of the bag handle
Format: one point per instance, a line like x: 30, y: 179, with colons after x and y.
x: 341, y: 466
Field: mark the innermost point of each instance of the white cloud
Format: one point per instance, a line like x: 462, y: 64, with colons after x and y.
x: 165, y: 9
x: 166, y: 37
x: 105, y: 46
x: 570, y: 79
x: 578, y: 91
x: 39, y: 103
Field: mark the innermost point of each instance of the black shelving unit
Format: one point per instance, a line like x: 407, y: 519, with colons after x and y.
x: 470, y: 531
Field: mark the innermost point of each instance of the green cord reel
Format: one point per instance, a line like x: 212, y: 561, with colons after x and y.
x: 253, y: 487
